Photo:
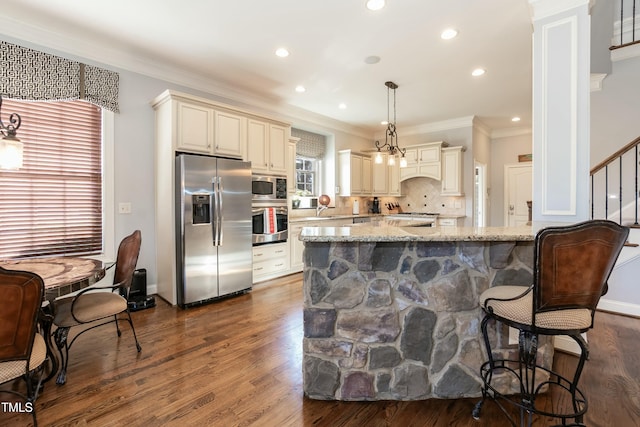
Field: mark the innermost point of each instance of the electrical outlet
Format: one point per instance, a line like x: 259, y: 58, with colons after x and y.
x: 124, y: 208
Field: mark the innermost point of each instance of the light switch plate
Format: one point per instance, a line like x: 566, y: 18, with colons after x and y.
x: 124, y: 208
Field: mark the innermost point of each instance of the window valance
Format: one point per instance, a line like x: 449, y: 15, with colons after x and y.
x: 33, y: 75
x: 311, y: 145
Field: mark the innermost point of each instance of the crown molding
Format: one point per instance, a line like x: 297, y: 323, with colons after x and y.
x: 511, y: 132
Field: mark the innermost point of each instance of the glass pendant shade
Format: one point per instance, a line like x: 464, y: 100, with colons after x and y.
x: 11, y: 150
x: 378, y: 158
x: 403, y: 162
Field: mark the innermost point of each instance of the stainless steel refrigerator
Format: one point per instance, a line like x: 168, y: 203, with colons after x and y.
x: 213, y: 228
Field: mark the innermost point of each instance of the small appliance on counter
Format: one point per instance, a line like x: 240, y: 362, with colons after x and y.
x: 375, y: 206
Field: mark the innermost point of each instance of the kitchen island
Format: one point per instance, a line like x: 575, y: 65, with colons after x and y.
x: 392, y: 313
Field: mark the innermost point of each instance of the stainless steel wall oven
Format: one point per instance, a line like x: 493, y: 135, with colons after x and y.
x: 270, y: 216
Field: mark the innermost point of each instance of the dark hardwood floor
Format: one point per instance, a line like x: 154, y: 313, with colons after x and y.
x: 237, y: 362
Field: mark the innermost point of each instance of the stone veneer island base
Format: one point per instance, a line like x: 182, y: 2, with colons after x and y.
x: 391, y: 313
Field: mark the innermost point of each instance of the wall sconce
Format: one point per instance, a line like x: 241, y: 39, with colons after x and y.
x: 391, y: 136
x: 11, y: 148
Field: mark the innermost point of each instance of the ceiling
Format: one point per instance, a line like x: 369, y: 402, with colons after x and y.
x: 228, y: 46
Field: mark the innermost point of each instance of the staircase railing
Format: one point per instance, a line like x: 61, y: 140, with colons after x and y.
x: 627, y: 24
x: 616, y: 179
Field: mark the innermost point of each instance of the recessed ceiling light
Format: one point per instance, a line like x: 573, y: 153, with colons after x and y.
x: 300, y: 89
x: 515, y: 119
x: 372, y: 59
x: 448, y: 34
x: 282, y: 52
x: 375, y: 4
x: 384, y: 123
x: 342, y: 106
x: 478, y: 72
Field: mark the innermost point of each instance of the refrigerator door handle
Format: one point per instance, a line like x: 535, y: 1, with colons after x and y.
x: 220, y: 207
x: 214, y: 211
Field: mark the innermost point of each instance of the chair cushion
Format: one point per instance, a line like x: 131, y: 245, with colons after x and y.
x: 89, y: 307
x: 520, y: 309
x: 15, y: 369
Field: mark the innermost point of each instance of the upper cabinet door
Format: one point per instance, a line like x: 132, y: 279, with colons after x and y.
x: 230, y: 134
x: 278, y: 149
x: 194, y: 128
x: 452, y: 171
x: 257, y: 148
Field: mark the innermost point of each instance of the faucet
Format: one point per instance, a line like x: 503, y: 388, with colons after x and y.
x: 319, y: 209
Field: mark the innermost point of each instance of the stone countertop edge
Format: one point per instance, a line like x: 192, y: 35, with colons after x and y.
x: 416, y: 234
x: 294, y: 219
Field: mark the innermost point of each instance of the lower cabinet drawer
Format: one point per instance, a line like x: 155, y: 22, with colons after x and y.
x: 265, y: 252
x: 448, y: 222
x: 271, y: 266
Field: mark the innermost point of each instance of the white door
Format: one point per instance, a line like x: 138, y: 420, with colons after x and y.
x: 517, y: 192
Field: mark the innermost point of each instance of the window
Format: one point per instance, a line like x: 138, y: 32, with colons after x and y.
x: 306, y: 171
x: 53, y: 205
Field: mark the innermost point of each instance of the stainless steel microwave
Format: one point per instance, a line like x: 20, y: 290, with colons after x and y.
x: 269, y: 188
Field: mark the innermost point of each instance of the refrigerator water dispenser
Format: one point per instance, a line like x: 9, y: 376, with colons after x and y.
x: 201, y: 208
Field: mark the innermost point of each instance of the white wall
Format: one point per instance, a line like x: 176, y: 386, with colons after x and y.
x: 615, y: 110
x: 504, y: 151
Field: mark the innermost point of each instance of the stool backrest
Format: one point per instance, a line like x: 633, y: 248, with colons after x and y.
x: 572, y: 264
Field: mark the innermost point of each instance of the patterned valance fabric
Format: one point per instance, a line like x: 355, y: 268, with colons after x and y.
x: 38, y: 76
x: 310, y: 145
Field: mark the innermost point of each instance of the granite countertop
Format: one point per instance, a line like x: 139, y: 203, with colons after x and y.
x: 294, y: 219
x: 390, y: 233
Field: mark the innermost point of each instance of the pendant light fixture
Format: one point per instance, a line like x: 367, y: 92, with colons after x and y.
x: 10, y: 146
x: 391, y: 135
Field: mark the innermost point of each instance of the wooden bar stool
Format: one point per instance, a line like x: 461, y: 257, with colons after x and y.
x: 571, y: 267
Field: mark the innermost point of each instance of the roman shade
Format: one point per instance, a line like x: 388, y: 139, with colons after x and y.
x: 311, y: 145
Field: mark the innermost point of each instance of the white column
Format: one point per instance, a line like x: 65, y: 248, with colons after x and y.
x: 561, y: 79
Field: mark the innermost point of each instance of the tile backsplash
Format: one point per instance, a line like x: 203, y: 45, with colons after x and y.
x: 419, y: 195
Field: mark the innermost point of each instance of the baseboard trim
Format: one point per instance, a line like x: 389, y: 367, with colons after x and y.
x: 152, y: 289
x: 619, y: 307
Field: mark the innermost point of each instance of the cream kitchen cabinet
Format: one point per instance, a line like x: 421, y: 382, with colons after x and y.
x: 267, y: 146
x: 230, y: 137
x: 452, y: 171
x: 296, y: 247
x: 270, y: 261
x: 423, y: 161
x: 354, y: 173
x: 203, y: 129
x: 385, y: 179
x: 194, y: 127
x: 380, y: 177
x: 291, y: 165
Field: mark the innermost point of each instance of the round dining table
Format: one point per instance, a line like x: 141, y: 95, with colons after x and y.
x: 61, y: 276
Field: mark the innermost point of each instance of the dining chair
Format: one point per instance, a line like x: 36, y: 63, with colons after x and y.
x: 98, y: 305
x: 571, y: 266
x: 23, y: 351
